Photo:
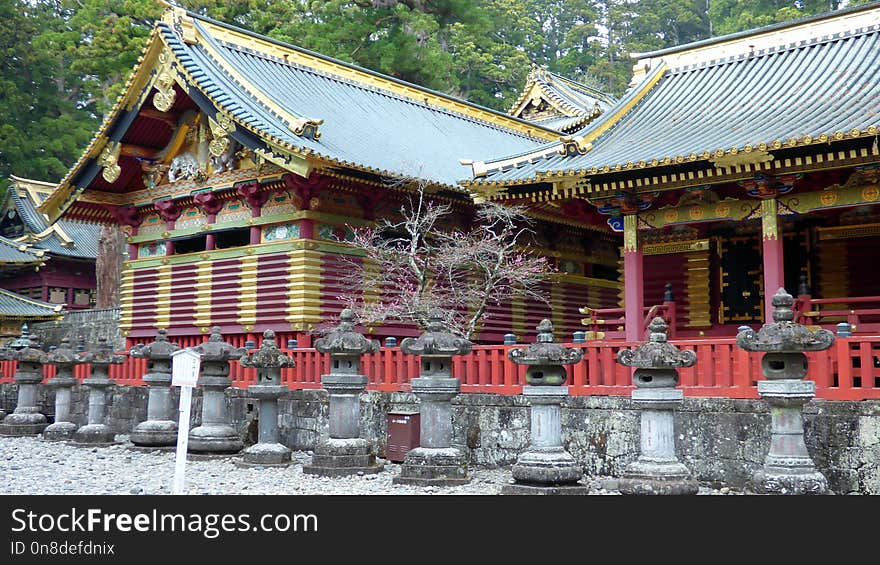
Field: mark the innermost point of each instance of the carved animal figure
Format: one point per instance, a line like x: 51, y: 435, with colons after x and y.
x: 226, y: 160
x: 184, y: 167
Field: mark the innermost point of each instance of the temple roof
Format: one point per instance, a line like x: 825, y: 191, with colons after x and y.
x: 14, y: 252
x: 817, y: 90
x: 63, y: 237
x: 302, y: 110
x: 14, y: 305
x: 557, y: 102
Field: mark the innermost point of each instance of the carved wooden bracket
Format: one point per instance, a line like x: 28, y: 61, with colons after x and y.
x: 207, y: 202
x: 168, y: 209
x: 250, y: 192
x: 306, y: 188
x: 125, y: 215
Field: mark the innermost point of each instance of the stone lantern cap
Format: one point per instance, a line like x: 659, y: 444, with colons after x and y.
x: 784, y: 335
x: 102, y: 354
x: 268, y: 355
x: 64, y: 354
x: 656, y: 353
x: 22, y: 341
x: 23, y: 349
x: 436, y: 341
x: 344, y: 340
x: 544, y: 351
x: 160, y: 349
x: 216, y: 350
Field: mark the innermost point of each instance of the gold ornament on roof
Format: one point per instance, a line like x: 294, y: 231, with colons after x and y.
x: 108, y: 160
x: 220, y: 129
x: 164, y: 97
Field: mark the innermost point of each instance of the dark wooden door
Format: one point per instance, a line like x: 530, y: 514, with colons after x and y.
x: 742, y: 285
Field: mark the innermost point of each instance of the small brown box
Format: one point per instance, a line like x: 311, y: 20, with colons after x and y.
x: 403, y: 434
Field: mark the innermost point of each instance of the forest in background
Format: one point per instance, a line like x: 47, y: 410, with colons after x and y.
x: 64, y: 62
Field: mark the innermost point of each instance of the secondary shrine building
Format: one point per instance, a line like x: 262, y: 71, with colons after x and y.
x: 731, y: 167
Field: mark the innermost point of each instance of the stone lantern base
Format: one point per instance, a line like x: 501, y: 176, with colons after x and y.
x: 60, y: 431
x: 546, y: 470
x: 788, y: 467
x: 788, y: 481
x: 155, y: 433
x: 210, y: 440
x: 94, y: 434
x: 658, y: 477
x: 23, y: 423
x: 264, y: 455
x: 553, y: 490
x: 432, y: 466
x: 338, y: 457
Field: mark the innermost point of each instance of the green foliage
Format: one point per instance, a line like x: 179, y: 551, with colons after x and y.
x: 65, y: 62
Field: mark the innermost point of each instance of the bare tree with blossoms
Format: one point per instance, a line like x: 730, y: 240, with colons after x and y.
x: 415, y: 265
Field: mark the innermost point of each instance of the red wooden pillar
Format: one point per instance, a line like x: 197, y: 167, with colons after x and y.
x: 633, y: 281
x: 307, y: 229
x: 133, y: 247
x: 255, y: 230
x: 774, y: 269
x: 210, y: 237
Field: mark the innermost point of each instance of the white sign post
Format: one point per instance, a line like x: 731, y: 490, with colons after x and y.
x: 185, y: 374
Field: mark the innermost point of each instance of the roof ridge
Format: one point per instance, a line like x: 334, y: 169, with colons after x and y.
x: 798, y: 22
x: 372, y: 88
x: 580, y: 141
x: 363, y: 70
x: 782, y: 48
x: 29, y: 300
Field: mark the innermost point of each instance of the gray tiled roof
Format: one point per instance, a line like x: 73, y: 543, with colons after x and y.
x: 84, y: 235
x: 10, y: 253
x: 573, y: 94
x: 364, y: 126
x: 15, y: 305
x: 34, y: 221
x: 828, y: 86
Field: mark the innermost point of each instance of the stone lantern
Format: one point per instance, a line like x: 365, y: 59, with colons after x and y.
x: 215, y: 436
x: 159, y: 429
x: 65, y: 360
x: 788, y: 468
x: 435, y: 461
x: 344, y: 452
x: 657, y: 470
x: 268, y: 361
x: 26, y: 419
x: 5, y: 355
x: 545, y: 467
x: 96, y: 431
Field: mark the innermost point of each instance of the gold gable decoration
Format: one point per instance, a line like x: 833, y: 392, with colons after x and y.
x: 109, y: 160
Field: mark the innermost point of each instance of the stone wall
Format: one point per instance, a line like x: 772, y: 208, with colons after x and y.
x: 721, y: 440
x: 87, y: 325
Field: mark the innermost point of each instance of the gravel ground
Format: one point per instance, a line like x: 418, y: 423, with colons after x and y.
x: 30, y: 465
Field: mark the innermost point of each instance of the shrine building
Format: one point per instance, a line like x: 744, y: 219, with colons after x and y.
x: 731, y: 167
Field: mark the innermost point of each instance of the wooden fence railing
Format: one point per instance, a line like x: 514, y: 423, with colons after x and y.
x: 609, y: 323
x: 849, y: 370
x: 861, y: 312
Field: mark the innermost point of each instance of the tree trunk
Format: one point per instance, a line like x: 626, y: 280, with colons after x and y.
x: 108, y: 267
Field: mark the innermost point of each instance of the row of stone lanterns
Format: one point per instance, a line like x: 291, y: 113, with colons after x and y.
x: 545, y: 467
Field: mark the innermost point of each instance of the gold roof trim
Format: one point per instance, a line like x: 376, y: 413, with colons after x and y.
x: 584, y: 142
x: 137, y: 80
x: 23, y: 298
x: 413, y: 92
x: 296, y: 124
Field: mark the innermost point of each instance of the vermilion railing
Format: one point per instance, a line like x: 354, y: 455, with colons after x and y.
x: 849, y: 370
x: 861, y: 312
x: 609, y: 323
